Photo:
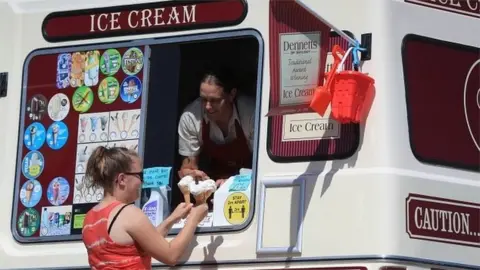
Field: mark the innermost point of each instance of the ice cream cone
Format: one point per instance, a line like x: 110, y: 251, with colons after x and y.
x: 200, y: 198
x: 28, y: 192
x: 28, y: 195
x: 208, y: 193
x: 184, y: 186
x: 55, y: 134
x: 186, y: 193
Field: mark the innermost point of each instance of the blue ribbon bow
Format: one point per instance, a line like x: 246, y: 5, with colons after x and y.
x: 355, y: 50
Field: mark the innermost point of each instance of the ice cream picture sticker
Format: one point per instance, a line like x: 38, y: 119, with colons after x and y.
x: 57, y: 135
x: 131, y: 89
x: 37, y: 107
x: 92, y: 68
x: 58, y: 191
x: 132, y: 61
x: 28, y: 222
x: 58, y: 107
x: 30, y: 193
x: 56, y: 220
x: 64, y: 65
x: 124, y: 125
x: 33, y: 164
x: 82, y: 99
x: 110, y: 62
x: 34, y: 136
x: 108, y: 90
x: 77, y: 74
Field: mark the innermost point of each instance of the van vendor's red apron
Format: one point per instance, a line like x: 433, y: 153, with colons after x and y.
x: 225, y: 160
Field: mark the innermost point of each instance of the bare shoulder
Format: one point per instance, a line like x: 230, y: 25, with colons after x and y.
x: 132, y: 211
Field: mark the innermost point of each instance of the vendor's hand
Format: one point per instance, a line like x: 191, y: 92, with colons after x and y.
x: 198, y: 213
x: 181, y: 211
x: 196, y: 174
x: 220, y: 182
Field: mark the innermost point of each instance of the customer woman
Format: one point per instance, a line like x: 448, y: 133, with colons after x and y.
x: 116, y: 233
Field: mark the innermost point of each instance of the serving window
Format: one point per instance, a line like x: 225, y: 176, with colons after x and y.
x: 126, y: 94
x: 443, y: 103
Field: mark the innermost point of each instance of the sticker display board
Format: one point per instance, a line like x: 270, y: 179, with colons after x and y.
x: 74, y: 102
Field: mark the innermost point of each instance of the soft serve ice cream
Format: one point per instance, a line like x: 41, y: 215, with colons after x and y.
x: 184, y: 186
x: 201, y: 191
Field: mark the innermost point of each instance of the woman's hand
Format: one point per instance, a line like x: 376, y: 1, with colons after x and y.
x: 181, y: 211
x: 198, y: 213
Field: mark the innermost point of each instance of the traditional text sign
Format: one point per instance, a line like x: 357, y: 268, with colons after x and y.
x: 443, y: 220
x: 142, y: 19
x: 300, y: 64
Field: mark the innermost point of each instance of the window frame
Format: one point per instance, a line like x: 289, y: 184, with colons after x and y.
x: 429, y: 40
x: 146, y: 42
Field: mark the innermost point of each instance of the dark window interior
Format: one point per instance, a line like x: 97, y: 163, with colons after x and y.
x: 174, y: 79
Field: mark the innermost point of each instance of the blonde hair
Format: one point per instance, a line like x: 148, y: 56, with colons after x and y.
x: 105, y: 164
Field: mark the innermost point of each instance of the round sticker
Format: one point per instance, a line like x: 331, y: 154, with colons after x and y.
x: 57, y: 135
x: 110, y: 62
x: 28, y: 222
x: 33, y: 164
x: 58, y: 107
x: 58, y: 190
x: 131, y: 89
x: 31, y: 193
x: 37, y: 107
x: 132, y: 61
x: 108, y: 90
x: 34, y: 136
x: 236, y: 208
x: 82, y: 99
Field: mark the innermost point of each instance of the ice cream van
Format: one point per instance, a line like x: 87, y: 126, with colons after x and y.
x: 342, y: 175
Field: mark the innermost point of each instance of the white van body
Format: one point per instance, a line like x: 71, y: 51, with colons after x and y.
x: 355, y: 209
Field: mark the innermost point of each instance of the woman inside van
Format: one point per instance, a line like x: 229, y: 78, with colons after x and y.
x: 116, y: 233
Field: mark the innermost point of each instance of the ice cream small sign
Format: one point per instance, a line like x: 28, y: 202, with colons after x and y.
x: 156, y: 177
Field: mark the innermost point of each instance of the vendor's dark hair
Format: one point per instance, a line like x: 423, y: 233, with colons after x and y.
x: 221, y: 76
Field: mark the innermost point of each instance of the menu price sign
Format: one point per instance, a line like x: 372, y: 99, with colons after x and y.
x: 300, y: 64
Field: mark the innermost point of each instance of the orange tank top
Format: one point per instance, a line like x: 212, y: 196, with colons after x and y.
x: 103, y: 252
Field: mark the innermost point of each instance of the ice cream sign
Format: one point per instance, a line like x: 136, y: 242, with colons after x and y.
x: 166, y: 16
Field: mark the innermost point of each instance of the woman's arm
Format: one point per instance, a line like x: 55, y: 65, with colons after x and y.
x: 155, y: 244
x: 165, y: 226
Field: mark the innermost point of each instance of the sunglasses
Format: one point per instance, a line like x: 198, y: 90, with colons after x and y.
x: 139, y: 175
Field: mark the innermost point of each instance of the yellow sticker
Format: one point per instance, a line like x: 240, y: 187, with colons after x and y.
x: 236, y: 208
